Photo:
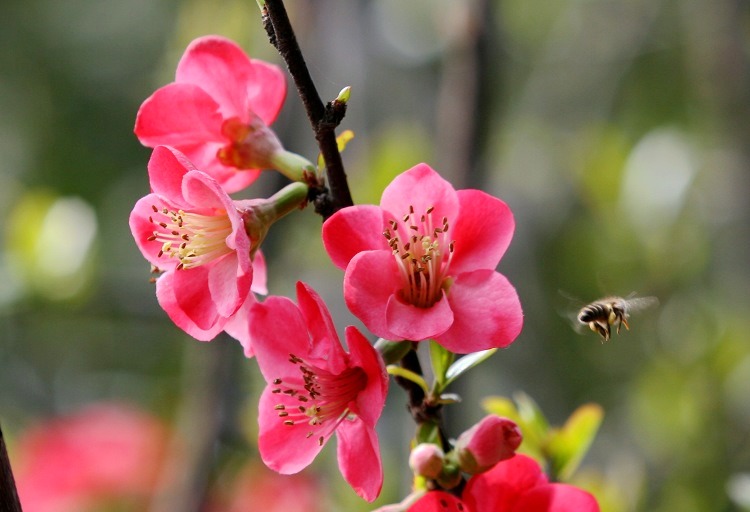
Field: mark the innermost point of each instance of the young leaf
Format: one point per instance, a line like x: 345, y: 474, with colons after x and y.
x: 398, y: 371
x: 568, y: 445
x: 466, y: 363
x: 441, y: 359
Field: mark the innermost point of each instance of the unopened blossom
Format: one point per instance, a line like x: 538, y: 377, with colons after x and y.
x: 316, y: 389
x: 422, y: 264
x: 486, y: 443
x: 217, y: 112
x: 426, y: 459
x: 513, y: 485
x: 202, y: 245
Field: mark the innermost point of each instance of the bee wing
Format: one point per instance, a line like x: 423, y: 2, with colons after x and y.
x: 570, y: 311
x: 641, y: 303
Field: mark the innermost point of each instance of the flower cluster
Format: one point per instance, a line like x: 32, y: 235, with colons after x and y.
x: 421, y: 266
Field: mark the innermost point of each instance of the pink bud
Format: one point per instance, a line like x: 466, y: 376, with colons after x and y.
x: 426, y: 460
x: 488, y: 442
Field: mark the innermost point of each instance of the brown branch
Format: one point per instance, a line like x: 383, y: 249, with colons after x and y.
x: 323, y: 118
x: 8, y: 495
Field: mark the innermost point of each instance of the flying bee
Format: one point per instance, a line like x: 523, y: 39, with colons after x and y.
x: 604, y: 313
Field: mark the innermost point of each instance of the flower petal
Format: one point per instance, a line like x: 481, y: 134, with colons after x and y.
x: 325, y: 343
x: 371, y: 400
x: 278, y: 329
x: 439, y: 501
x: 228, y: 284
x: 166, y: 168
x: 422, y: 188
x: 238, y: 325
x: 556, y: 498
x: 359, y: 458
x: 266, y: 93
x: 142, y: 228
x: 283, y: 448
x: 260, y: 274
x: 410, y: 322
x: 501, y: 487
x: 194, y: 298
x: 370, y: 280
x: 487, y: 313
x: 168, y: 301
x: 178, y: 115
x: 482, y: 232
x: 221, y: 68
x: 352, y: 230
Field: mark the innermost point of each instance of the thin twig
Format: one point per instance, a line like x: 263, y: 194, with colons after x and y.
x: 8, y: 495
x: 323, y: 118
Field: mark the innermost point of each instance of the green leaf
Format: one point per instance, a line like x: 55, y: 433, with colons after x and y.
x: 341, y: 141
x: 466, y: 363
x: 441, y: 359
x: 417, y: 379
x: 568, y: 445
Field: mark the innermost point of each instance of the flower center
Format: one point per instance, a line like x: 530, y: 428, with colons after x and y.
x: 238, y: 153
x: 192, y: 238
x: 321, y: 399
x: 423, y: 253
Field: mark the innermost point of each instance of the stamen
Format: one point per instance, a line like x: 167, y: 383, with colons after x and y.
x: 194, y: 239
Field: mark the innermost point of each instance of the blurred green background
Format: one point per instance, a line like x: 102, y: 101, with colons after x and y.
x: 617, y: 131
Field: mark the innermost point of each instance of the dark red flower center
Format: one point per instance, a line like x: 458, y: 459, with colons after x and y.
x: 319, y: 399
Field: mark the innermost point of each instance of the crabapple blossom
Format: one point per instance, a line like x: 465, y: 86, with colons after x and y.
x: 316, y: 389
x: 488, y: 442
x: 513, y: 485
x: 422, y: 264
x: 204, y: 245
x: 217, y: 113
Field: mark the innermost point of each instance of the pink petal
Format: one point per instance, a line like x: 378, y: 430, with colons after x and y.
x: 556, y: 498
x: 353, y: 230
x: 260, y: 274
x: 194, y: 298
x: 283, y: 448
x: 409, y: 322
x: 219, y: 67
x: 422, y: 188
x: 501, y: 487
x: 278, y: 329
x: 203, y: 155
x: 178, y: 115
x: 204, y: 192
x: 267, y: 91
x: 238, y: 325
x: 440, y: 501
x: 370, y: 280
x: 166, y: 168
x: 228, y: 284
x: 325, y: 342
x: 359, y: 458
x: 487, y: 313
x: 371, y: 400
x: 142, y: 228
x: 168, y: 301
x: 482, y: 232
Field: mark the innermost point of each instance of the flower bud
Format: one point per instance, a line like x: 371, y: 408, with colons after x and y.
x: 426, y: 460
x: 488, y: 442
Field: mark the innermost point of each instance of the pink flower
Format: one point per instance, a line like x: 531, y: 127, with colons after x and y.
x: 216, y: 111
x: 315, y: 389
x: 258, y: 488
x: 488, y: 442
x: 104, y: 453
x: 190, y: 229
x: 514, y: 485
x: 422, y: 264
